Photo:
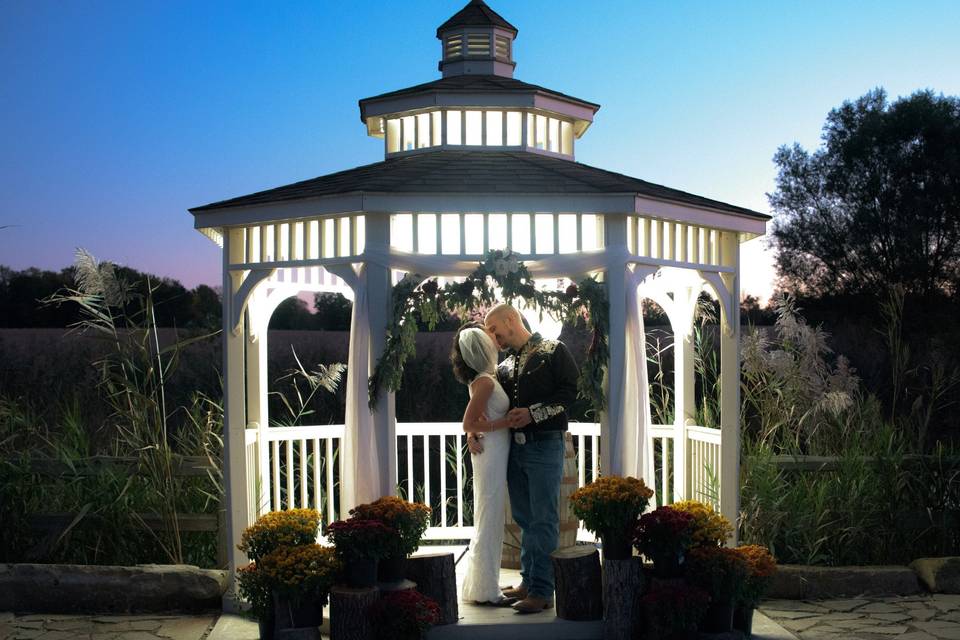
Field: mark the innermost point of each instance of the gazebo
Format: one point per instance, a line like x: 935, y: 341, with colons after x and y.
x: 473, y: 162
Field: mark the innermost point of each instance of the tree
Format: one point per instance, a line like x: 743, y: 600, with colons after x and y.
x: 877, y: 205
x: 292, y: 313
x: 333, y: 311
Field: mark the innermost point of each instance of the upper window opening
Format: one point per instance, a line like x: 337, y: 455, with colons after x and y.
x: 454, y: 46
x: 478, y: 45
x: 502, y: 44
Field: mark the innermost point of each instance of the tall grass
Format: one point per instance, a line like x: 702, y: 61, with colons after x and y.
x: 881, y: 504
x: 133, y: 373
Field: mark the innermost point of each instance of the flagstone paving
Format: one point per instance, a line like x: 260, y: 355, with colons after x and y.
x: 918, y: 617
x: 76, y: 627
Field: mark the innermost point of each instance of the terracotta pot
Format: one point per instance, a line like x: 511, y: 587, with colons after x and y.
x: 743, y: 619
x: 360, y: 573
x: 290, y: 614
x: 718, y: 618
x: 391, y: 569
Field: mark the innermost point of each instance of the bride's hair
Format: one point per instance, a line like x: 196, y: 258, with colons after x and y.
x: 461, y: 370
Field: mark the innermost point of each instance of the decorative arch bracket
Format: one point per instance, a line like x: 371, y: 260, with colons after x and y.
x: 719, y: 284
x: 240, y: 298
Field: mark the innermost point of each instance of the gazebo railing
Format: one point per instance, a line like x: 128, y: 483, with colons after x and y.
x: 298, y: 467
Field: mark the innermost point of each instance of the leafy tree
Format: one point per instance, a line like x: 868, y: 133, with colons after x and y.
x: 292, y: 313
x: 332, y: 312
x: 877, y: 205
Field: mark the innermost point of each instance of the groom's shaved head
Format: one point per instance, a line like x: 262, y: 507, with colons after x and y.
x: 506, y: 325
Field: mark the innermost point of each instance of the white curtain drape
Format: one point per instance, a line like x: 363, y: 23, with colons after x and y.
x: 359, y: 455
x: 637, y: 454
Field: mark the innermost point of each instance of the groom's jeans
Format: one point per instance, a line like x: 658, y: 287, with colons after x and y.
x: 534, y: 473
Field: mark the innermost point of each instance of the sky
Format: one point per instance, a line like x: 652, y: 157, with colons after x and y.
x: 116, y: 117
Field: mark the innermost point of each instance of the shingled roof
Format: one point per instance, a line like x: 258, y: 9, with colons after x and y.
x: 474, y: 84
x: 476, y: 14
x: 455, y: 172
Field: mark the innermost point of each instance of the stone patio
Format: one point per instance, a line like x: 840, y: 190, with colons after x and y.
x: 132, y: 627
x: 917, y: 617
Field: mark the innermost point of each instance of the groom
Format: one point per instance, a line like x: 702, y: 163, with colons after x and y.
x: 540, y: 377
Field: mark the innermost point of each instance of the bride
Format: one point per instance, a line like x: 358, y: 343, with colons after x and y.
x: 474, y: 359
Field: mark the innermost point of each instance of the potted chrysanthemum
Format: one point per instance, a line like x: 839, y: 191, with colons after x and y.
x: 721, y: 572
x: 408, y: 519
x: 672, y: 612
x: 404, y: 615
x: 360, y: 544
x: 271, y: 531
x: 300, y: 578
x: 664, y: 536
x: 609, y: 506
x: 761, y: 567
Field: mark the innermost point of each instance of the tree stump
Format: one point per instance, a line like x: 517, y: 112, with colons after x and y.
x: 387, y: 588
x: 349, y: 613
x: 579, y: 585
x: 622, y: 585
x: 436, y: 577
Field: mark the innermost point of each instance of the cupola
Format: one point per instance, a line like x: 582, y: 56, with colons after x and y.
x: 477, y: 41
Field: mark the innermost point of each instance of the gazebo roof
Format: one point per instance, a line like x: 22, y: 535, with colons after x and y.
x: 476, y: 14
x: 472, y: 84
x: 458, y: 172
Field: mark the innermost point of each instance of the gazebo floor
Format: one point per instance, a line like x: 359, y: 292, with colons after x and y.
x: 503, y: 623
x: 492, y: 623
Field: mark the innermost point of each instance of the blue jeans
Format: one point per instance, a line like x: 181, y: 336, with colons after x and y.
x: 534, y: 473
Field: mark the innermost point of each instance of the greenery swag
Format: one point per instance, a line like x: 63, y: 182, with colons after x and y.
x: 417, y: 299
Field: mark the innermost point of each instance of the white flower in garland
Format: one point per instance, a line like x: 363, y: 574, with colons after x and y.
x: 506, y: 264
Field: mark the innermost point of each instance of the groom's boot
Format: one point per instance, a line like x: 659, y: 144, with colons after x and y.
x: 533, y: 604
x: 516, y: 592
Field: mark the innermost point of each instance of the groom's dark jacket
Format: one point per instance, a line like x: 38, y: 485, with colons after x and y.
x: 541, y: 376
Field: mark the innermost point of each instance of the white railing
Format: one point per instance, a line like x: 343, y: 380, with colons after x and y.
x: 703, y: 464
x: 298, y: 467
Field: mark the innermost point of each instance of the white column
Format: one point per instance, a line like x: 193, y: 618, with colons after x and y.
x: 612, y: 435
x: 684, y: 396
x: 234, y: 413
x: 730, y: 389
x: 379, y: 289
x: 257, y: 412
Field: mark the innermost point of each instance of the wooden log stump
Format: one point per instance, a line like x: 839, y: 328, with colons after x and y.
x: 622, y: 586
x: 579, y: 585
x: 349, y: 613
x: 393, y: 587
x: 436, y: 577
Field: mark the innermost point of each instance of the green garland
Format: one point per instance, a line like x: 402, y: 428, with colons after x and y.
x: 415, y: 299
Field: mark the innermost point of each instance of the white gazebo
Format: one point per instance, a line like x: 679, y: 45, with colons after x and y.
x: 474, y: 161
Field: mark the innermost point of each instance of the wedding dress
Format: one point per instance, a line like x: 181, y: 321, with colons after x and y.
x: 482, y: 580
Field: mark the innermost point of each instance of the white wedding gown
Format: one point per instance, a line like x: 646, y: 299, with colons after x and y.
x: 482, y: 581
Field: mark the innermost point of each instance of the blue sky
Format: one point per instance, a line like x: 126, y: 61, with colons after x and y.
x: 115, y: 117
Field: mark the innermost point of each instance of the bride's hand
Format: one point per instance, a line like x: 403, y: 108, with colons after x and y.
x: 474, y: 445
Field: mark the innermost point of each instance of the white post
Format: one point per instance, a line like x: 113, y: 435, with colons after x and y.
x: 684, y: 396
x: 234, y: 410
x: 730, y: 389
x: 612, y: 436
x: 379, y: 288
x: 257, y: 411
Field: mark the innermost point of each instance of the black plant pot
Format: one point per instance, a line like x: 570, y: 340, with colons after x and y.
x: 718, y: 618
x: 743, y: 620
x: 616, y: 546
x: 392, y: 569
x: 308, y: 612
x: 266, y: 627
x: 668, y: 565
x: 360, y: 573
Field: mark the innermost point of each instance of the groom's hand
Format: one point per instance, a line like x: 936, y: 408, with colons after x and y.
x: 519, y: 417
